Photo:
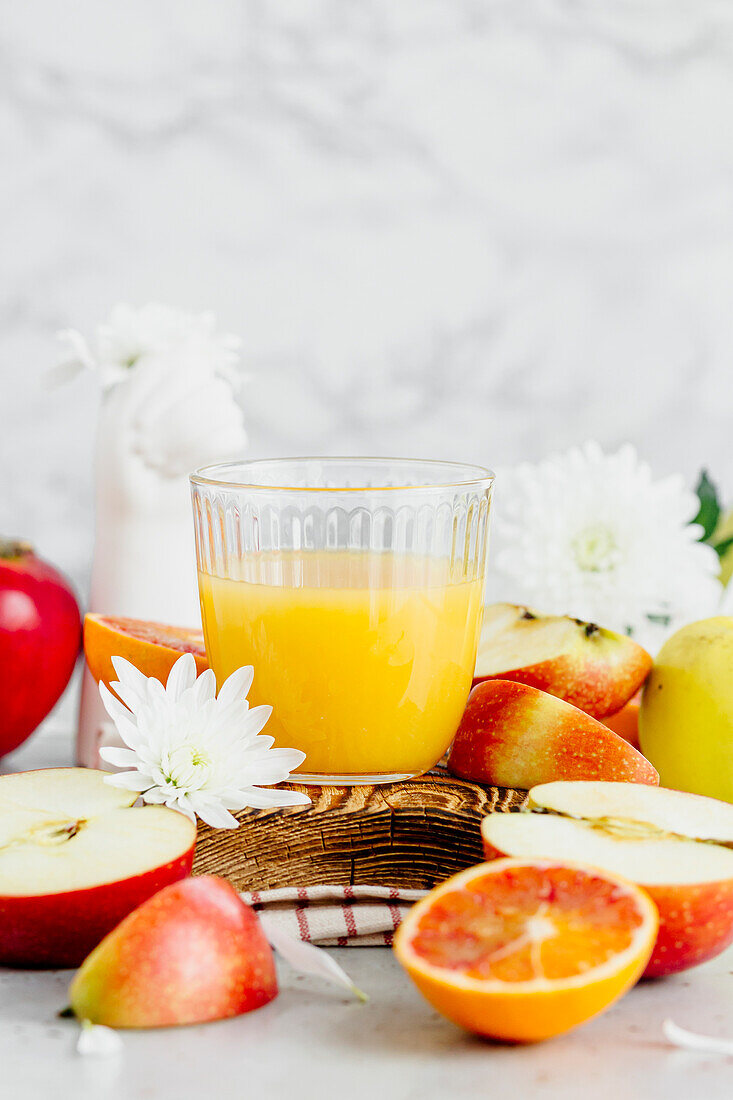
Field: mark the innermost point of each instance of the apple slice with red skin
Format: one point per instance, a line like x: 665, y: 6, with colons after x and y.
x: 595, y: 669
x: 513, y: 735
x: 194, y: 952
x: 677, y: 846
x: 75, y: 858
x: 625, y: 723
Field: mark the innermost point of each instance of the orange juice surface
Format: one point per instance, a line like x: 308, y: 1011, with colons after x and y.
x: 367, y: 658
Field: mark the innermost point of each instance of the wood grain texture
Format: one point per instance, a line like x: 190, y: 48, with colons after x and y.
x: 409, y: 835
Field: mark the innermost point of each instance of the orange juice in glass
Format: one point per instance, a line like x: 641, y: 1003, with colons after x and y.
x: 355, y: 588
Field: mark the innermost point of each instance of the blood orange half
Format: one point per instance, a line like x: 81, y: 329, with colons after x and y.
x: 523, y: 950
x: 152, y: 647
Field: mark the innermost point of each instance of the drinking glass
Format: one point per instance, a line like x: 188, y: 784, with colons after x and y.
x: 354, y: 586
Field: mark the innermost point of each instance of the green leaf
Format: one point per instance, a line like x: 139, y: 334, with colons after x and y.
x: 660, y: 620
x: 709, y: 511
x: 723, y: 546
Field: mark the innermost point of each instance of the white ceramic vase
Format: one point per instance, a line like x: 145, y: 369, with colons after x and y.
x: 169, y: 415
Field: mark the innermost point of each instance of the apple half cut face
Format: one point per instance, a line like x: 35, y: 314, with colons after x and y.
x: 678, y: 846
x: 75, y: 858
x: 595, y: 669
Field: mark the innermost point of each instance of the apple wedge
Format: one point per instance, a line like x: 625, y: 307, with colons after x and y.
x: 625, y: 723
x: 513, y: 735
x: 75, y: 858
x: 592, y: 668
x: 194, y: 952
x: 678, y: 846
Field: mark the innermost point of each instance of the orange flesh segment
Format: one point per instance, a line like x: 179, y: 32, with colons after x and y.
x: 181, y: 639
x: 527, y: 923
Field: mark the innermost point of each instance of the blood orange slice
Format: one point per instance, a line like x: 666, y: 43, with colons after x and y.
x: 523, y: 950
x: 152, y: 647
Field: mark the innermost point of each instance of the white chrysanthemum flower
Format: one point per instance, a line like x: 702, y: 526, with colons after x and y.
x: 594, y: 536
x: 193, y: 750
x: 132, y: 336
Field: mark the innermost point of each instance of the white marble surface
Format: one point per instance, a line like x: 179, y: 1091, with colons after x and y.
x: 314, y: 1043
x: 478, y: 229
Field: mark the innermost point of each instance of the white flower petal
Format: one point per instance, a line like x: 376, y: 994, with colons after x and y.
x: 130, y: 676
x: 230, y: 718
x: 262, y: 743
x: 115, y: 709
x: 270, y: 769
x: 156, y: 796
x: 257, y: 718
x: 236, y: 686
x: 261, y: 799
x: 181, y: 677
x: 121, y: 717
x: 120, y: 758
x: 204, y: 689
x: 216, y: 816
x: 180, y: 804
x: 79, y: 355
x: 691, y: 1040
x: 155, y: 695
x: 98, y: 1041
x: 128, y: 695
x: 305, y: 957
x: 128, y: 781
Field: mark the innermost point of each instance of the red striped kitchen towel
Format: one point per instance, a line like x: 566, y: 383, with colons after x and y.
x: 336, y: 916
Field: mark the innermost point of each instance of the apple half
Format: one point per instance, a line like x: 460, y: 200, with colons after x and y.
x: 75, y: 858
x: 677, y: 846
x: 193, y: 952
x: 595, y: 669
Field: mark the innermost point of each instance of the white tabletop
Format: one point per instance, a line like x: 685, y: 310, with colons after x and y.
x: 313, y: 1041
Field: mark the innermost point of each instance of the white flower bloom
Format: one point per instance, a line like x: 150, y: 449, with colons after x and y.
x: 133, y: 336
x: 192, y: 750
x: 594, y: 536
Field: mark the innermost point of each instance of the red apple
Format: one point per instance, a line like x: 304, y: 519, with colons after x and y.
x: 513, y: 735
x: 194, y: 952
x: 592, y: 668
x: 75, y: 858
x: 40, y: 635
x: 676, y: 845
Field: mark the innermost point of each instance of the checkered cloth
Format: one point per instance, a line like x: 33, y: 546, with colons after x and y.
x: 335, y: 916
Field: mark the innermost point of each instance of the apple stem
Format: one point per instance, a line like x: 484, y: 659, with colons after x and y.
x: 14, y: 548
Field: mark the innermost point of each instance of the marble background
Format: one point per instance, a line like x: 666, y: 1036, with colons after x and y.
x: 477, y: 229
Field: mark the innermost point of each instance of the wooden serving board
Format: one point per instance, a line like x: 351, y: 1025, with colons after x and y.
x: 409, y: 835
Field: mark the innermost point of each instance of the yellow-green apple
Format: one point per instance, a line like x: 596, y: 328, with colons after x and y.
x: 513, y: 735
x: 194, y: 952
x: 676, y: 845
x: 75, y: 858
x: 686, y: 715
x: 588, y: 666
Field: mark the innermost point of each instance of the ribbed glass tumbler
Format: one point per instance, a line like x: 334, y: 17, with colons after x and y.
x: 355, y: 589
